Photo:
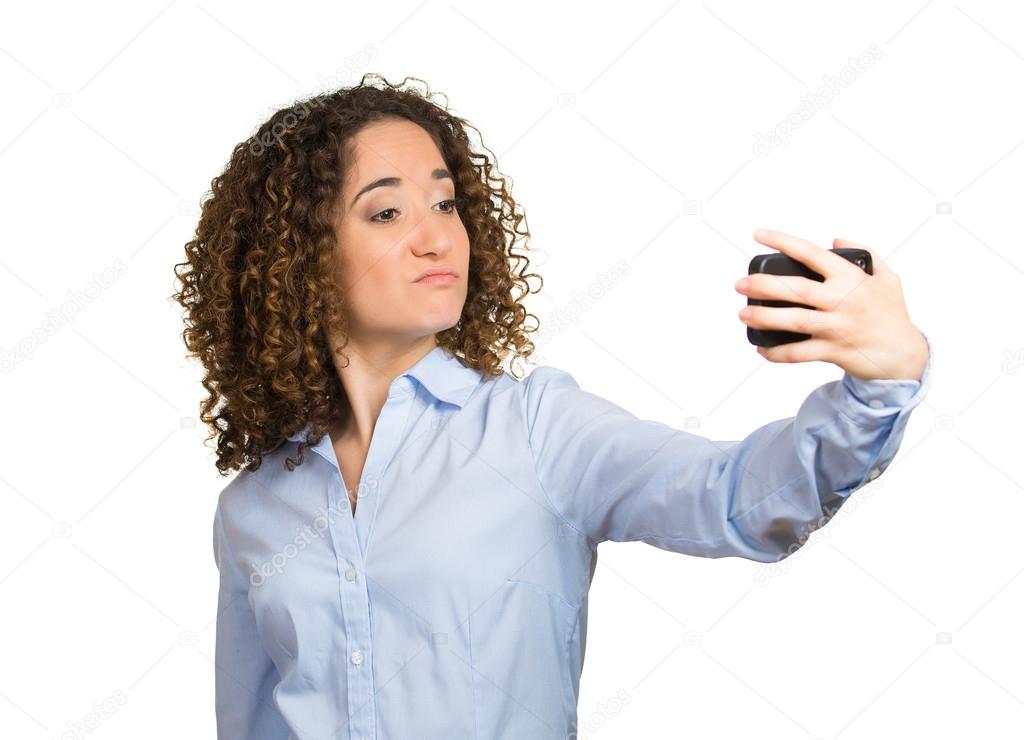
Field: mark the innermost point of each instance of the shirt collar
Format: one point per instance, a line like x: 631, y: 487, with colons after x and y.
x: 442, y: 374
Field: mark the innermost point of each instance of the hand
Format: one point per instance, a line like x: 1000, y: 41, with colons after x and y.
x: 861, y: 322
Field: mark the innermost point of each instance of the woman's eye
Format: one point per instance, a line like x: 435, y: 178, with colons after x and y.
x: 378, y: 220
x: 454, y: 202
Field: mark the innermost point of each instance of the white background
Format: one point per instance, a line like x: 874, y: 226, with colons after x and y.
x: 628, y: 132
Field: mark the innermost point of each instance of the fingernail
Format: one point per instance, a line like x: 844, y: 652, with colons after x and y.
x: 760, y: 234
x: 742, y: 284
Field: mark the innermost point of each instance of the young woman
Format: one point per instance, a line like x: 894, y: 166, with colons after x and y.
x: 352, y: 290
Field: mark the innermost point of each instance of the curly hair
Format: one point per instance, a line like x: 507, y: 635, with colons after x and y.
x: 258, y: 286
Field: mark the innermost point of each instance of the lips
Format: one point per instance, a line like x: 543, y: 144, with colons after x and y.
x: 436, y: 271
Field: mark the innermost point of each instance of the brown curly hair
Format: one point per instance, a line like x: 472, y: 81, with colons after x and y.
x: 257, y: 284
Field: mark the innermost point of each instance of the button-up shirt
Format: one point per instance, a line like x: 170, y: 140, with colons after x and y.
x: 453, y: 603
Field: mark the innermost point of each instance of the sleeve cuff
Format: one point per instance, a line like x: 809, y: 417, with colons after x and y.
x: 878, y: 399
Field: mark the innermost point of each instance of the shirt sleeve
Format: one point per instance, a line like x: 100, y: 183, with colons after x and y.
x: 613, y: 476
x: 244, y: 675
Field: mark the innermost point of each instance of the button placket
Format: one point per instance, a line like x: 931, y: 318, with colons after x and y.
x: 360, y: 676
x: 387, y: 434
x: 354, y: 602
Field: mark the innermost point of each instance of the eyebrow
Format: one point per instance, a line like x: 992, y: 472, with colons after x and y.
x: 438, y: 174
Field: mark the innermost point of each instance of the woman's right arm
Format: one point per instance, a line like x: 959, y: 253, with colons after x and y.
x: 244, y: 675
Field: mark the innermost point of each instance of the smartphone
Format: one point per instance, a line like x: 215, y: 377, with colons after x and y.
x: 781, y: 264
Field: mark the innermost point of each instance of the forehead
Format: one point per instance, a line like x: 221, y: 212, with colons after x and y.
x: 391, y: 148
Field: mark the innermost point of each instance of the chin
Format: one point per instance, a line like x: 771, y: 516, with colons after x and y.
x: 441, y: 324
x: 441, y: 310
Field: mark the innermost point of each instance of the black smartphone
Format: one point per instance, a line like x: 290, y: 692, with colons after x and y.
x: 781, y: 264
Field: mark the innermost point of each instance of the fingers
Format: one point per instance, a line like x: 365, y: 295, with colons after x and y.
x: 807, y: 350
x: 790, y: 318
x: 822, y: 261
x: 793, y: 288
x: 878, y: 265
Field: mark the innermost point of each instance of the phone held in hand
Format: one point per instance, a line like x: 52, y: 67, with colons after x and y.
x: 781, y: 264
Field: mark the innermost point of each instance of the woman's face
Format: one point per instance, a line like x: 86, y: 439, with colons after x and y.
x: 390, y: 233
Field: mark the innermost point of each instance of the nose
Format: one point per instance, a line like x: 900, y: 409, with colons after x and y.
x: 431, y: 236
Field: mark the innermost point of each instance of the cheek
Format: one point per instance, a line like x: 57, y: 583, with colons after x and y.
x: 370, y: 277
x: 460, y: 250
x: 358, y: 259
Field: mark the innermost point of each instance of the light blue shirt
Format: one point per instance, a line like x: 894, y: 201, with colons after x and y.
x: 454, y: 603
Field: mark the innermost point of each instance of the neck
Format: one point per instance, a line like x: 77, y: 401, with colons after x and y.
x: 371, y: 368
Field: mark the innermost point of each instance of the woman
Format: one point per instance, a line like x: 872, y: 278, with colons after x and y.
x: 352, y: 289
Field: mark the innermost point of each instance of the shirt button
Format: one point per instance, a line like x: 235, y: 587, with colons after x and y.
x: 875, y: 403
x: 873, y: 474
x: 350, y: 574
x: 357, y: 657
